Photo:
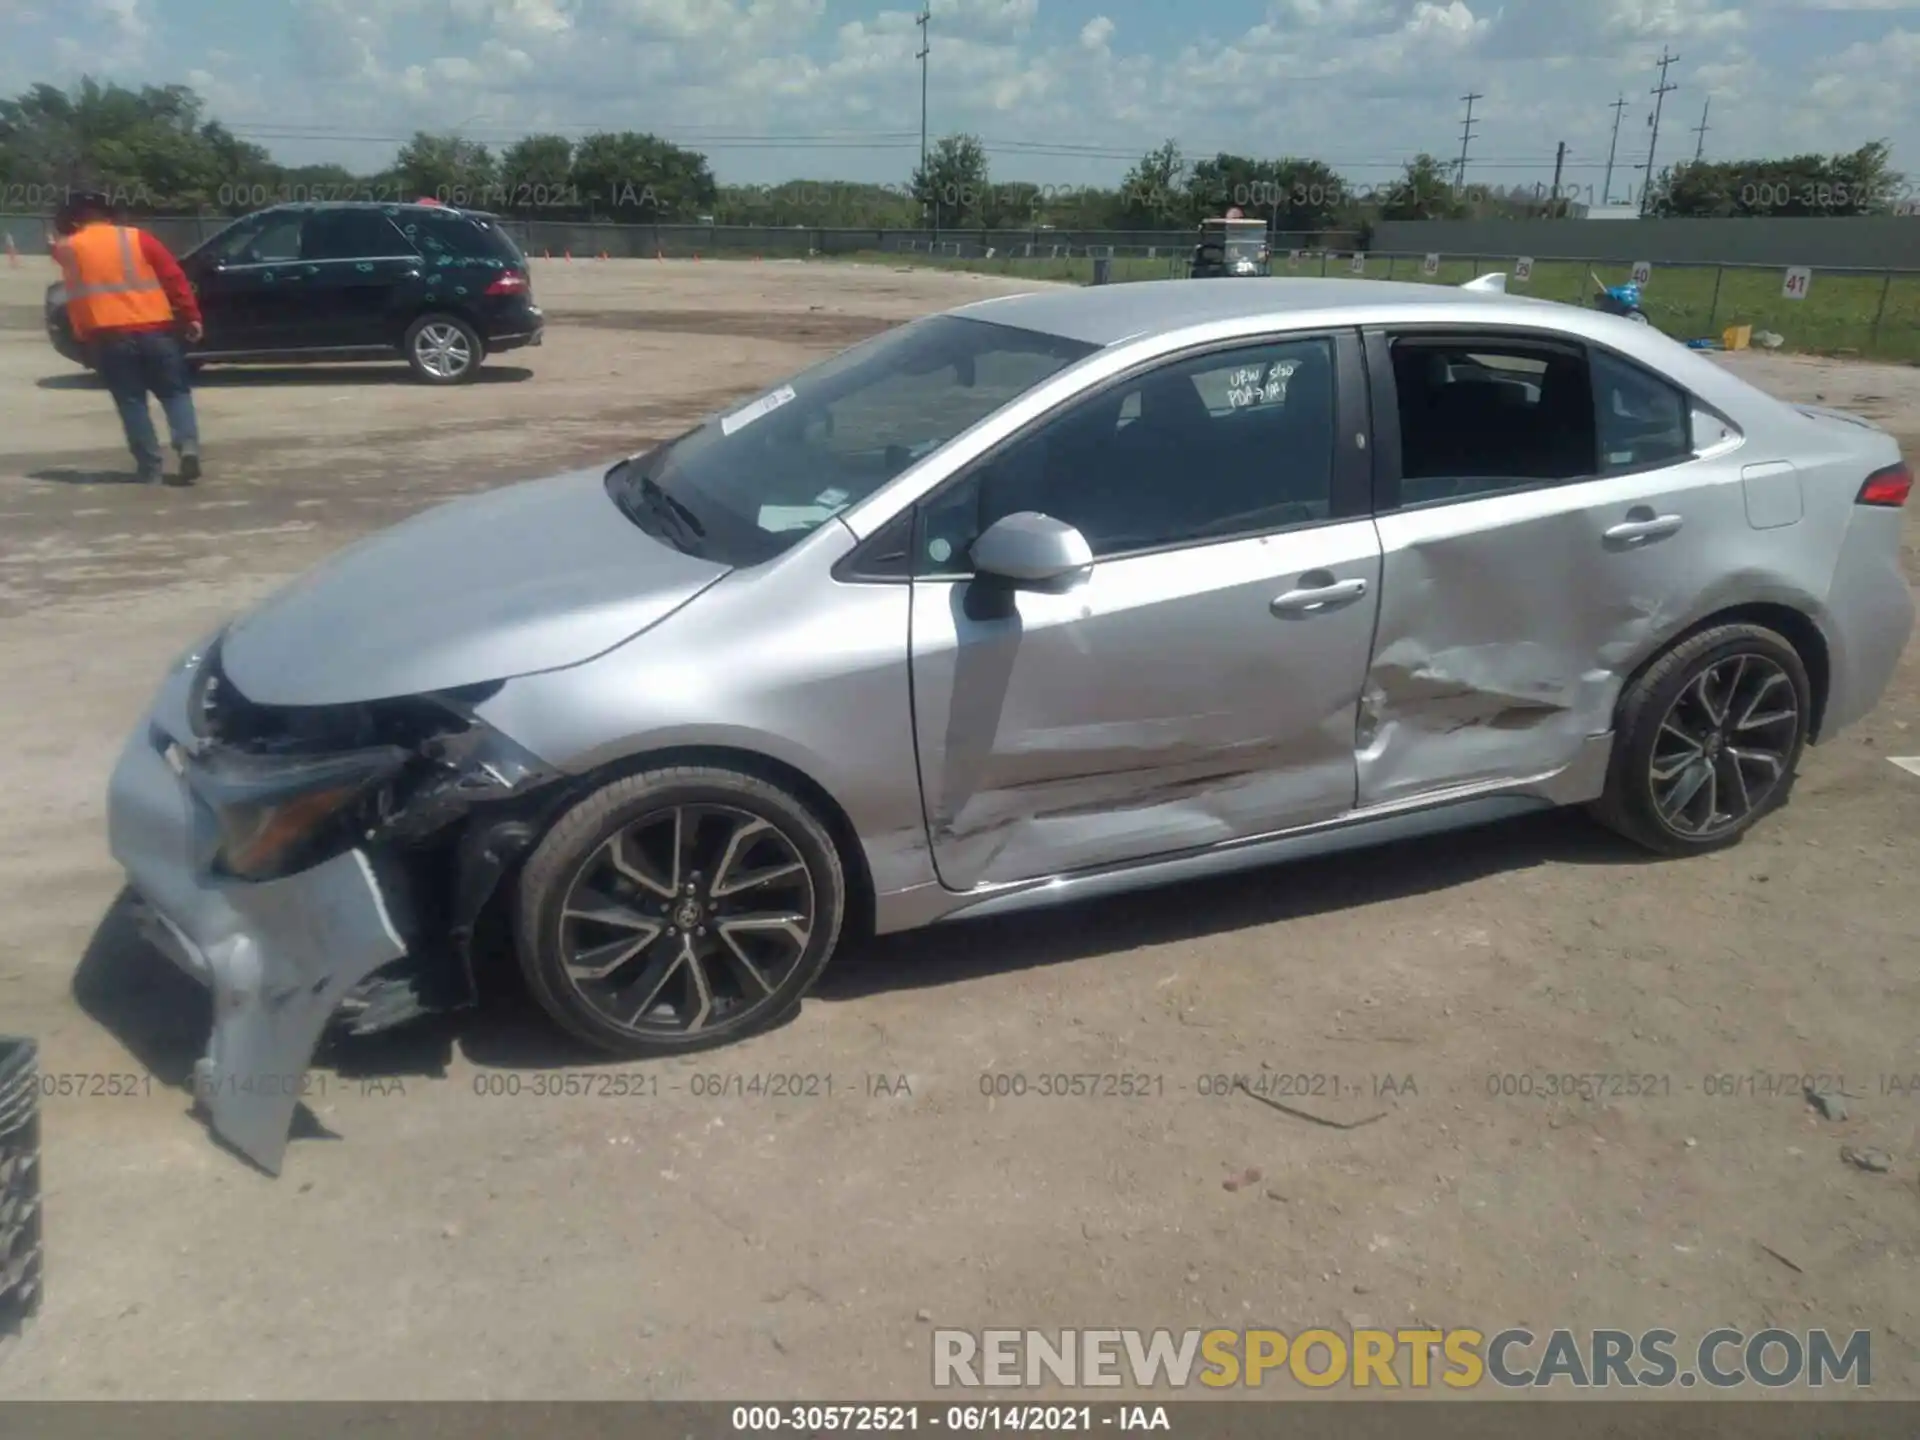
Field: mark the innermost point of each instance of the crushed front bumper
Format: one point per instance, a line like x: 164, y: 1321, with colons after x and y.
x: 279, y: 956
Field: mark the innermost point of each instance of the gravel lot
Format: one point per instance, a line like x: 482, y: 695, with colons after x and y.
x: 450, y: 1242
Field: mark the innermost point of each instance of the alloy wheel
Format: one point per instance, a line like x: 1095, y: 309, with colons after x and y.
x: 687, y: 919
x: 442, y: 350
x: 1723, y: 746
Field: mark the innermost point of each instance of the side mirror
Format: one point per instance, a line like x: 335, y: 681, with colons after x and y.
x: 1029, y: 548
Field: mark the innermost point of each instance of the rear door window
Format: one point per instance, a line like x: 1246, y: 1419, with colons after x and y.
x: 1478, y: 420
x: 352, y: 235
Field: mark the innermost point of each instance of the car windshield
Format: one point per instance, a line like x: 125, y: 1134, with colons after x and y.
x: 749, y: 484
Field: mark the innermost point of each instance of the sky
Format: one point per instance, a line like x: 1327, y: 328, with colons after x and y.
x: 1063, y: 92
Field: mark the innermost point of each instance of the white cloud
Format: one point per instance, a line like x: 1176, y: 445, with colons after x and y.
x: 1363, y: 83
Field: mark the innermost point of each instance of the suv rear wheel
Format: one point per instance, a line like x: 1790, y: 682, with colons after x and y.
x: 444, y: 349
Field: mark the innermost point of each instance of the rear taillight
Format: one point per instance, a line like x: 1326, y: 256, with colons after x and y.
x: 511, y: 283
x: 1889, y: 487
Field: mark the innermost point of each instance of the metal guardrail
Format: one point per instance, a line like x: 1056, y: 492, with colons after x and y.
x: 20, y: 1241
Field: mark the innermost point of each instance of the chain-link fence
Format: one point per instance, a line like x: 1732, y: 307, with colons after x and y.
x: 1841, y: 312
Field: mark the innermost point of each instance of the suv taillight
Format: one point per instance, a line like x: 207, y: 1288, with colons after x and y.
x: 511, y: 283
x: 1889, y: 487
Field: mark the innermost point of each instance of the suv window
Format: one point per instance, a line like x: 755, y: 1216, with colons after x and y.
x: 1227, y: 444
x: 270, y: 239
x: 446, y: 237
x: 1480, y: 419
x: 1643, y: 420
x: 351, y: 235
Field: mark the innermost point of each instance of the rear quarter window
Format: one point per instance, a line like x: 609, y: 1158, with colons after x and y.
x: 452, y: 238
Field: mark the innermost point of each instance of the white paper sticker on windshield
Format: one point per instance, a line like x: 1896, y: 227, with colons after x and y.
x: 776, y: 519
x: 747, y: 414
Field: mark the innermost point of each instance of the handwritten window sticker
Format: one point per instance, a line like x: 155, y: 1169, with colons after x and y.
x: 754, y: 410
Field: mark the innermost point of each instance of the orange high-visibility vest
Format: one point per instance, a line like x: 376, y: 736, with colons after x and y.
x: 110, y: 285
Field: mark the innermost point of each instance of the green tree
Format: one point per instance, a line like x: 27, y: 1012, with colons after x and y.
x: 536, y: 173
x: 450, y: 168
x: 1860, y: 183
x: 952, y: 188
x: 1154, y: 194
x: 1424, y: 191
x: 642, y: 179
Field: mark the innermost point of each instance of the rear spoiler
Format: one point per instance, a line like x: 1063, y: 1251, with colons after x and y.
x: 1496, y: 282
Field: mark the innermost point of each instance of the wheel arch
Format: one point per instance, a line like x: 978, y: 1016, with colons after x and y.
x: 859, y: 918
x: 1792, y: 624
x: 419, y: 310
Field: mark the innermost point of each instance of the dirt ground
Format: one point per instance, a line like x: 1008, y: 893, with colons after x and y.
x: 450, y: 1242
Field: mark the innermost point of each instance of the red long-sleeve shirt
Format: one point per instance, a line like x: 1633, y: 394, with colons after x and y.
x: 173, y: 280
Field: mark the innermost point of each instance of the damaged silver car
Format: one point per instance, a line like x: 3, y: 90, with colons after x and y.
x: 1048, y: 597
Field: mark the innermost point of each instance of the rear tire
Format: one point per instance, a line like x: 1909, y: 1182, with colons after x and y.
x: 1706, y: 741
x: 443, y: 350
x: 679, y: 909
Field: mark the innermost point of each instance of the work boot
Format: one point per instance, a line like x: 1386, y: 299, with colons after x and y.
x: 189, y: 465
x: 148, y: 475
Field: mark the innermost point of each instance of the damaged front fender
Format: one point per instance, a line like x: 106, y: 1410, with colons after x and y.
x: 282, y: 953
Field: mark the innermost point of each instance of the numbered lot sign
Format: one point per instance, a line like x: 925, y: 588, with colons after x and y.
x: 1430, y: 265
x: 1799, y: 280
x: 1523, y: 269
x: 1642, y: 272
x: 1359, y: 266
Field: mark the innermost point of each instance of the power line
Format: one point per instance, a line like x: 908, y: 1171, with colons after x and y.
x: 1466, y: 136
x: 1606, y: 189
x: 1701, y: 129
x: 1660, y: 93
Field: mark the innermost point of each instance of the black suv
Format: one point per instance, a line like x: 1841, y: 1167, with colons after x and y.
x: 438, y: 287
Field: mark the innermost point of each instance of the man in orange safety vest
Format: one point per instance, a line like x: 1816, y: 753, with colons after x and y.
x: 130, y: 305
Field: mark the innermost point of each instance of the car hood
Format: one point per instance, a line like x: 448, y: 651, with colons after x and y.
x: 536, y: 576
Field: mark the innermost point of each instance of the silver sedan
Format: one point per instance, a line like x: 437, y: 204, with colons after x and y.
x: 1045, y: 598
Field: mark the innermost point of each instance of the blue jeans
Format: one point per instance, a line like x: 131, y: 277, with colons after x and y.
x: 151, y: 361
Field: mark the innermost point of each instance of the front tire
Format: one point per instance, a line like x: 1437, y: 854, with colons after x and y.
x: 679, y: 909
x: 443, y: 350
x: 1707, y: 741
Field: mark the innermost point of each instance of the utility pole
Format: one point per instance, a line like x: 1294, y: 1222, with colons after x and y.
x: 1559, y: 163
x: 923, y: 20
x: 1606, y: 190
x: 1701, y: 130
x: 1660, y: 93
x: 1466, y: 135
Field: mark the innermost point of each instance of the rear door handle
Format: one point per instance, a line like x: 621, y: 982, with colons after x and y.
x: 1658, y: 527
x: 1313, y: 599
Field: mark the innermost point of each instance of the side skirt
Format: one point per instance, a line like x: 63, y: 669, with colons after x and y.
x: 1433, y: 814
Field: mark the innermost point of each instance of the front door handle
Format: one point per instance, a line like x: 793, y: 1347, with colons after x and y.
x: 1311, y: 600
x: 1654, y: 527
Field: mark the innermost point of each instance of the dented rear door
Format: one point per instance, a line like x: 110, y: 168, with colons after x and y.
x: 1509, y: 622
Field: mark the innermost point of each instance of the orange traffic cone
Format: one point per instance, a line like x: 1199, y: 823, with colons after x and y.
x: 603, y: 254
x: 657, y: 253
x: 569, y: 255
x: 696, y: 257
x: 546, y: 254
x: 13, y: 253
